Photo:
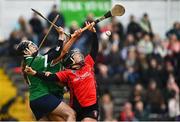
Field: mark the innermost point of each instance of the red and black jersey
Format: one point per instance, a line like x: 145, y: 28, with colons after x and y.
x: 81, y: 82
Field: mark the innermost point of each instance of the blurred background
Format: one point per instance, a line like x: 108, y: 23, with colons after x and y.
x: 137, y: 68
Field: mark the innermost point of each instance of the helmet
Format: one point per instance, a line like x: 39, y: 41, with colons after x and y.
x: 21, y: 47
x: 68, y: 60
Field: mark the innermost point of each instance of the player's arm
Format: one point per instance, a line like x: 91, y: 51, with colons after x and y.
x: 74, y: 37
x: 41, y: 75
x: 95, y: 44
x: 53, y: 53
x: 94, y: 47
x: 68, y: 45
x: 48, y: 78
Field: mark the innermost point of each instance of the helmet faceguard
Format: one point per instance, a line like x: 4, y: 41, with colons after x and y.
x: 70, y: 59
x: 24, y: 45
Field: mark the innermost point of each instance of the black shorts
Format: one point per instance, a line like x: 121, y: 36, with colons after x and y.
x: 90, y: 111
x: 44, y: 105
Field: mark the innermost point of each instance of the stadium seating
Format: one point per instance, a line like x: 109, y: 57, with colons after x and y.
x: 13, y: 97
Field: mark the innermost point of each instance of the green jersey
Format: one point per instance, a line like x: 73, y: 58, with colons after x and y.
x: 37, y: 87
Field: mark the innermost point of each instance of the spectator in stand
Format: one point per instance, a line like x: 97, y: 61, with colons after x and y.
x: 116, y: 40
x: 154, y: 99
x: 127, y: 114
x: 146, y: 24
x: 129, y: 42
x: 173, y: 106
x: 102, y: 68
x: 143, y: 65
x: 60, y: 22
x: 175, y: 30
x: 145, y: 45
x: 74, y: 26
x: 167, y: 70
x: 140, y: 113
x: 90, y: 18
x: 104, y: 48
x: 36, y: 25
x: 21, y: 30
x: 131, y: 73
x: 107, y: 108
x: 137, y: 94
x: 154, y: 71
x: 24, y: 29
x: 54, y: 12
x: 22, y: 25
x: 159, y: 49
x: 84, y: 41
x: 114, y: 65
x: 117, y: 27
x: 172, y: 97
x: 131, y: 59
x: 133, y: 27
x: 174, y: 44
x: 174, y: 54
x: 14, y: 40
x: 105, y: 44
x: 10, y: 50
x: 3, y: 47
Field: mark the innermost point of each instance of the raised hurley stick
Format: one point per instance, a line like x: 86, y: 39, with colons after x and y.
x: 56, y: 27
x: 117, y: 10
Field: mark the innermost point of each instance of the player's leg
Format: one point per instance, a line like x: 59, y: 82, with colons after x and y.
x: 50, y: 104
x: 44, y: 119
x: 53, y: 117
x: 88, y: 119
x: 65, y: 111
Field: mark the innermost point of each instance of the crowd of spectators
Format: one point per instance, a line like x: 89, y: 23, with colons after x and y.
x: 134, y: 55
x: 148, y: 63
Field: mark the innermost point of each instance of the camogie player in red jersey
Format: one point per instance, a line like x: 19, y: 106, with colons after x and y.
x: 80, y: 78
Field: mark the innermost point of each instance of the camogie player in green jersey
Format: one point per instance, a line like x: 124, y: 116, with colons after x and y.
x: 46, y: 98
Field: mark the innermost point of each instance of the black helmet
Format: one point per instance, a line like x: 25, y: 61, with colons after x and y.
x: 68, y: 60
x: 21, y: 47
